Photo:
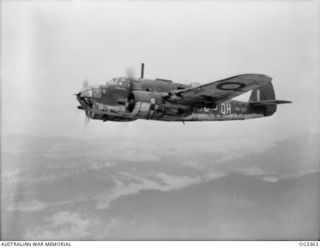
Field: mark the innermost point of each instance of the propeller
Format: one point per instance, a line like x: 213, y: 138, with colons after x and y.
x: 85, y: 83
x: 86, y: 118
x: 130, y: 72
x: 130, y: 75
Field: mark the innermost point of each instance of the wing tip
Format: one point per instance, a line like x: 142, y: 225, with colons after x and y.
x: 264, y: 77
x: 269, y: 102
x: 283, y: 101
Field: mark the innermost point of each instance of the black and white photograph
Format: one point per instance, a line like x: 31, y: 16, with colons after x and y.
x: 160, y: 120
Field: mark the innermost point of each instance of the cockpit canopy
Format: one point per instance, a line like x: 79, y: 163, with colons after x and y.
x: 120, y: 82
x: 87, y: 92
x: 99, y: 90
x: 93, y: 91
x: 124, y: 83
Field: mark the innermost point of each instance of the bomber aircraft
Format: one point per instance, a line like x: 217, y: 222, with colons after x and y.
x: 129, y: 99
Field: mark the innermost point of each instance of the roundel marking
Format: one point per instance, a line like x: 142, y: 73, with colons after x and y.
x: 230, y: 86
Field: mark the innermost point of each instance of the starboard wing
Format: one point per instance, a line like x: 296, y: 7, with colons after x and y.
x: 217, y: 92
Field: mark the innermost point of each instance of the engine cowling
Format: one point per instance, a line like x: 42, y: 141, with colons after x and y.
x: 152, y: 105
x: 146, y: 104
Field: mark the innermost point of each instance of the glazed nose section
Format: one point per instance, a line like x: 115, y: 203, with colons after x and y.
x: 86, y: 93
x: 84, y: 97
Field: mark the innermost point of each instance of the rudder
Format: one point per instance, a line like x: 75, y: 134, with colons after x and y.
x: 264, y: 93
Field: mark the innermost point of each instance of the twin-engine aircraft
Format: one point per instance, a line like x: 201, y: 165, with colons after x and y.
x: 129, y: 99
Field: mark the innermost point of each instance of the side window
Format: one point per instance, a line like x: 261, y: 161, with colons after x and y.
x: 136, y: 85
x: 123, y: 83
x: 97, y: 92
x: 104, y: 91
x: 87, y: 93
x: 112, y: 82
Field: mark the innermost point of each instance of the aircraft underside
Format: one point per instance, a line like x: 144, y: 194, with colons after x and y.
x: 211, y: 117
x: 231, y: 110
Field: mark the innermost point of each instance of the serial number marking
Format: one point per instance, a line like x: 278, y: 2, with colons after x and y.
x: 238, y: 108
x: 225, y: 109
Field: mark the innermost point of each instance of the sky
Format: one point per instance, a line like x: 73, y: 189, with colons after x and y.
x: 49, y: 48
x: 239, y: 180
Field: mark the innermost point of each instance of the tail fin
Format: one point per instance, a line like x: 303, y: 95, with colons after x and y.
x: 265, y: 97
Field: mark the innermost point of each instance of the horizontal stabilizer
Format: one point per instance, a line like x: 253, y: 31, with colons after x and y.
x: 268, y: 102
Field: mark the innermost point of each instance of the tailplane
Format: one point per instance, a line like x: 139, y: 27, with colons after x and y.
x: 264, y: 97
x: 269, y: 102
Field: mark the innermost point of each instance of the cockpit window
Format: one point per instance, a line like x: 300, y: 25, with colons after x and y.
x: 112, y: 82
x: 123, y: 83
x: 97, y: 92
x: 86, y: 93
x: 120, y: 82
x: 137, y: 85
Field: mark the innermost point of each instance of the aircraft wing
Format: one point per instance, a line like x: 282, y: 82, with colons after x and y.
x: 217, y: 92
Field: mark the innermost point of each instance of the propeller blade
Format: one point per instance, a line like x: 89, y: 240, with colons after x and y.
x: 130, y: 72
x: 87, y: 117
x: 85, y: 83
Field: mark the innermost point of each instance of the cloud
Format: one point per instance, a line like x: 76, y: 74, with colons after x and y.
x: 271, y: 179
x: 233, y: 145
x: 250, y: 170
x: 90, y: 165
x: 194, y: 164
x: 218, y: 167
x: 138, y: 156
x: 170, y: 182
x: 28, y: 207
x: 158, y: 181
x: 66, y: 225
x: 10, y: 176
x: 51, y: 172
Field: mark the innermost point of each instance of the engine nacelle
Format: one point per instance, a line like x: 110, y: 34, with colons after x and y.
x: 152, y: 105
x: 146, y: 104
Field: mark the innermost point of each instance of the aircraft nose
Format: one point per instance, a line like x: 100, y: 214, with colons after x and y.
x: 80, y: 100
x: 84, y: 97
x: 86, y: 93
x: 80, y: 94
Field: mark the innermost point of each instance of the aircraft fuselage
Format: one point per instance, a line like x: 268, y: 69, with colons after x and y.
x: 127, y: 99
